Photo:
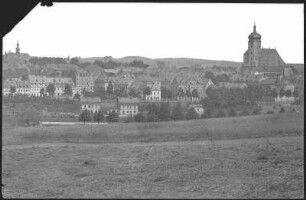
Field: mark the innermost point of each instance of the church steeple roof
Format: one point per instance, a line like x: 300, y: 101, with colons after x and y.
x: 254, y: 34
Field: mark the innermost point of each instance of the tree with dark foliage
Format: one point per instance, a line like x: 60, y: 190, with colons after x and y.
x: 85, y: 116
x: 178, y: 113
x: 50, y: 89
x: 99, y: 116
x: 192, y: 114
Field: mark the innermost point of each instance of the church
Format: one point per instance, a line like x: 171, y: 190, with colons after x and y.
x: 261, y: 62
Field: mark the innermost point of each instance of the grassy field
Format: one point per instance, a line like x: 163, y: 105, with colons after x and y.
x: 242, y: 157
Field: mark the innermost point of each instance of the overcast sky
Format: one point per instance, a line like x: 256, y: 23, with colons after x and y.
x: 155, y: 30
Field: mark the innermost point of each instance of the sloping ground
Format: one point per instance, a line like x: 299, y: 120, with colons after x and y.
x: 246, y: 168
x: 286, y: 124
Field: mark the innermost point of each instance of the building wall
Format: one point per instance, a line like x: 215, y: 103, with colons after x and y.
x: 128, y: 109
x: 84, y: 80
x: 155, y: 95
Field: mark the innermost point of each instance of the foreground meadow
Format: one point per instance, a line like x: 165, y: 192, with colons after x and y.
x: 154, y: 161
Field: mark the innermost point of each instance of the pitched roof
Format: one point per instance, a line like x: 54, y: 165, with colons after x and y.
x: 23, y: 84
x: 270, y: 57
x: 128, y: 100
x: 90, y: 99
x: 104, y: 105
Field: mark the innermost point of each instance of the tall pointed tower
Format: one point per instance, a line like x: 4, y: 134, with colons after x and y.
x: 17, y: 48
x: 251, y: 56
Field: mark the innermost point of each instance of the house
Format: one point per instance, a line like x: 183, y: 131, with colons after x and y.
x: 38, y: 82
x: 101, y: 81
x: 128, y: 106
x: 198, y: 108
x: 12, y: 81
x: 108, y: 106
x: 288, y: 86
x: 84, y: 81
x: 92, y: 104
x: 6, y: 89
x: 155, y: 86
x: 190, y: 82
x: 24, y: 88
x: 284, y: 100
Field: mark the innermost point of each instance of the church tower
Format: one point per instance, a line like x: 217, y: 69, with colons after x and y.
x: 17, y: 48
x: 251, y: 56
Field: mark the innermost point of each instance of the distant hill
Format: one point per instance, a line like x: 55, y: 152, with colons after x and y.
x: 167, y: 62
x: 299, y: 67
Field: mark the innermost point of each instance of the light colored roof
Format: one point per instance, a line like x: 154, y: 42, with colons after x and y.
x: 268, y: 81
x: 23, y: 84
x: 55, y: 80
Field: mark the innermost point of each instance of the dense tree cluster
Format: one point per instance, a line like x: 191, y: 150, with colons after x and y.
x: 137, y: 63
x: 163, y: 112
x: 43, y: 61
x: 230, y: 97
x: 29, y: 118
x: 216, y: 79
x: 166, y: 93
x: 110, y: 64
x: 100, y: 116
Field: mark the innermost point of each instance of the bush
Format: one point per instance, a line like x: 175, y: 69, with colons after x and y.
x: 140, y: 117
x: 232, y: 112
x: 282, y: 110
x: 85, y: 116
x: 270, y: 112
x: 244, y: 113
x: 192, y: 114
x: 98, y: 116
x: 206, y: 114
x: 256, y: 111
x: 113, y: 117
x: 129, y: 119
x: 220, y: 113
x: 28, y: 118
x: 177, y: 113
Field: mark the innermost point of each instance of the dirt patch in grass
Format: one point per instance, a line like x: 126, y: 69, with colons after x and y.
x: 248, y: 168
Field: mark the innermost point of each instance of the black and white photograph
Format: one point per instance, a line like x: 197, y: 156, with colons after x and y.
x: 155, y: 100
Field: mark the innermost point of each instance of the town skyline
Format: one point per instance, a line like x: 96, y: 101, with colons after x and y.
x: 165, y: 45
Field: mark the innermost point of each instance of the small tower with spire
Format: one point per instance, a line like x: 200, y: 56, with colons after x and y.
x: 17, y: 48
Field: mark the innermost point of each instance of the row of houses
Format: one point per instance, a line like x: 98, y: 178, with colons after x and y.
x: 34, y: 85
x: 124, y: 106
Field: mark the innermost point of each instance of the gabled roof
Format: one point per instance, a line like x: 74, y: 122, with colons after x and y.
x: 128, y: 100
x: 270, y: 57
x: 23, y: 84
x: 105, y: 105
x: 90, y: 99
